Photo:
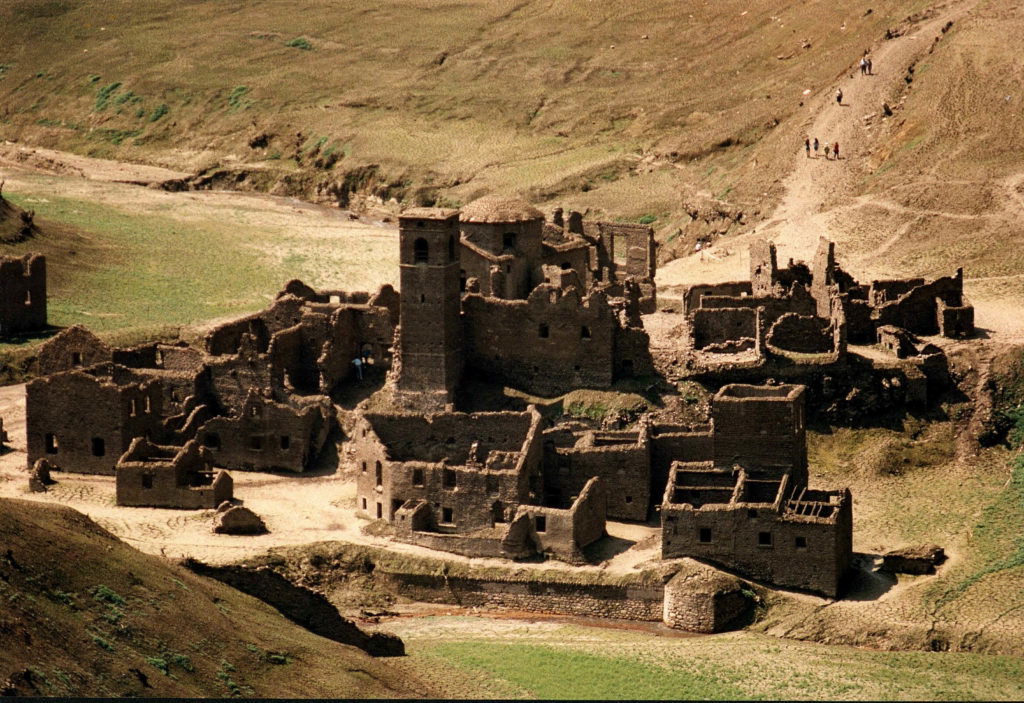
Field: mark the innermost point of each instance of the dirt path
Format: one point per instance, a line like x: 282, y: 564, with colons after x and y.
x: 820, y: 200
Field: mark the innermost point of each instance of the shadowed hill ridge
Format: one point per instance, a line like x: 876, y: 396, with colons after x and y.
x: 86, y: 615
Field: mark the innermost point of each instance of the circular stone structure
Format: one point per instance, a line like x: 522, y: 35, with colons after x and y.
x: 493, y: 209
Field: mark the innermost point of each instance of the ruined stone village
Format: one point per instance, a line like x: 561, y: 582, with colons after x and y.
x: 498, y: 293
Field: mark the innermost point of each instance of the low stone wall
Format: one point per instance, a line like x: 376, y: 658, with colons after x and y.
x: 586, y: 600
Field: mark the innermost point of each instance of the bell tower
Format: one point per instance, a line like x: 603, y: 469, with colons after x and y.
x: 430, y: 336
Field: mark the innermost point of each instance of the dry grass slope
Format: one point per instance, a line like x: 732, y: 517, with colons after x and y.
x: 113, y: 621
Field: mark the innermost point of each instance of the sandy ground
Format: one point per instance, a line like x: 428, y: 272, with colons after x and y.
x: 818, y: 201
x: 298, y: 509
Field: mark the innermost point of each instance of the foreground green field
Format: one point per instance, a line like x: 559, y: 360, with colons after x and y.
x: 484, y: 657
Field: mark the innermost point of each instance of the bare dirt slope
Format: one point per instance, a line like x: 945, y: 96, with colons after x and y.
x: 896, y: 201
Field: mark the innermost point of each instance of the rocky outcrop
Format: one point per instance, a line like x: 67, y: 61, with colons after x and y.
x: 919, y: 559
x: 236, y: 520
x: 700, y: 598
x: 302, y: 606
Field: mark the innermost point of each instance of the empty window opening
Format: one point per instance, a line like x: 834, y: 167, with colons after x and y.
x: 395, y: 505
x: 212, y: 440
x: 764, y: 539
x: 704, y: 535
x: 566, y: 266
x: 497, y: 512
x: 335, y: 299
x: 417, y: 478
x: 379, y: 473
x: 51, y: 443
x: 629, y: 499
x: 147, y: 480
x: 423, y: 298
x: 544, y: 331
x: 256, y: 442
x: 751, y: 513
x: 364, y: 467
x: 800, y: 542
x: 584, y: 332
x: 364, y: 503
x: 449, y: 478
x: 380, y: 511
x: 286, y: 442
x: 540, y: 523
x: 420, y: 251
x: 447, y: 515
x: 99, y: 447
x: 76, y: 358
x: 451, y: 248
x: 508, y: 240
x: 508, y: 268
x: 462, y: 281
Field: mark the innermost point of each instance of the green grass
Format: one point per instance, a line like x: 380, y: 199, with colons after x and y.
x: 300, y: 43
x: 104, y: 94
x: 157, y: 270
x: 543, y: 660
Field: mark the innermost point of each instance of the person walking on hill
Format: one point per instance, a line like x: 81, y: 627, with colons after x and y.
x: 827, y: 147
x: 807, y: 147
x: 863, y: 65
x: 815, y: 147
x: 869, y: 67
x: 835, y: 150
x: 839, y: 96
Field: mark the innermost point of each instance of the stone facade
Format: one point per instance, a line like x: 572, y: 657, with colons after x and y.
x: 22, y: 294
x: 150, y: 475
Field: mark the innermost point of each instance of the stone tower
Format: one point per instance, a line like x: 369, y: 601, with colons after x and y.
x: 429, y: 340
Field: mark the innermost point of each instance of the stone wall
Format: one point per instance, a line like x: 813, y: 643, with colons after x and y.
x: 22, y: 294
x: 762, y: 428
x: 74, y: 347
x: 724, y: 328
x: 806, y: 334
x: 549, y: 344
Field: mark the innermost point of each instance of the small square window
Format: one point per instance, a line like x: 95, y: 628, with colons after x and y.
x: 364, y: 503
x: 286, y: 442
x: 540, y: 523
x: 629, y: 499
x: 147, y: 480
x: 704, y: 535
x: 764, y: 539
x: 800, y: 543
x: 417, y: 478
x: 751, y: 513
x: 256, y: 442
x: 380, y: 511
x: 449, y: 478
x: 543, y: 331
x: 447, y: 515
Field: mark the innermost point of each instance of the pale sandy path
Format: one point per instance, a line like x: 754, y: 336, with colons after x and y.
x: 819, y: 200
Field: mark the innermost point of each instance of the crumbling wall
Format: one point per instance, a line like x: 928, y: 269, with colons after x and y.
x: 724, y: 330
x: 149, y: 475
x: 564, y: 532
x: 82, y: 421
x: 623, y: 464
x: 269, y: 436
x: 549, y: 344
x: 74, y: 347
x: 761, y: 427
x: 805, y: 334
x: 22, y: 294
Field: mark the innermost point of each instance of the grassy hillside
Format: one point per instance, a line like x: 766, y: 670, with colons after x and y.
x: 615, y: 105
x: 113, y: 621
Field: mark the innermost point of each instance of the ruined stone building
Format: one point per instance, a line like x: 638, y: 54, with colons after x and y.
x: 748, y: 507
x: 22, y: 294
x: 254, y: 396
x: 808, y: 315
x: 469, y: 483
x: 151, y: 475
x: 495, y: 291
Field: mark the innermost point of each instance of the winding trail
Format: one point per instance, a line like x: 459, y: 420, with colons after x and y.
x: 819, y: 199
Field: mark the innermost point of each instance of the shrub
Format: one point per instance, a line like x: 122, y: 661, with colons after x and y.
x: 158, y: 112
x: 103, y: 594
x: 102, y: 643
x: 647, y: 219
x: 104, y: 94
x: 236, y: 97
x: 159, y: 663
x: 300, y: 43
